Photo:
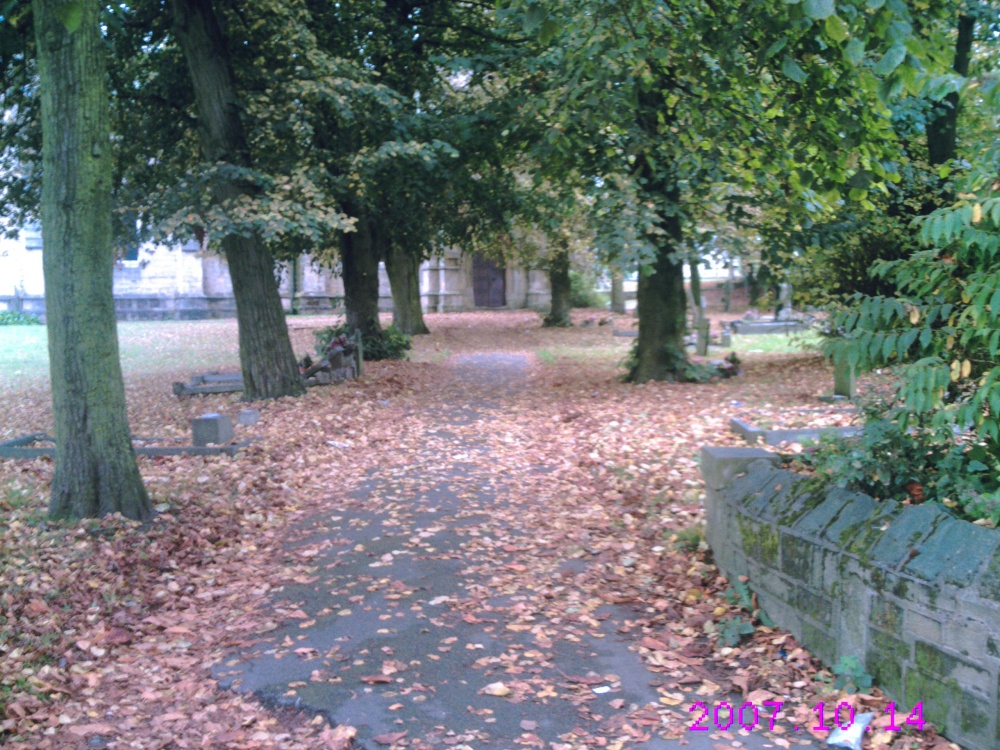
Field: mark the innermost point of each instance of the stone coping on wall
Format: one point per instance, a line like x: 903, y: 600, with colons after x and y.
x: 912, y: 591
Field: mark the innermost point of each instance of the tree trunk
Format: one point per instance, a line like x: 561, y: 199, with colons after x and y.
x: 359, y: 263
x: 693, y: 264
x: 561, y: 291
x: 266, y: 356
x: 404, y: 280
x: 95, y: 469
x: 942, y: 139
x: 617, y: 293
x: 659, y: 350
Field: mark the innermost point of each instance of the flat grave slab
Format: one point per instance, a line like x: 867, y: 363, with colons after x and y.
x: 40, y: 444
x: 773, y: 424
x: 755, y: 327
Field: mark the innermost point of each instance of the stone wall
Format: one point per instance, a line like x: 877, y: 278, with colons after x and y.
x: 188, y: 283
x: 910, y: 590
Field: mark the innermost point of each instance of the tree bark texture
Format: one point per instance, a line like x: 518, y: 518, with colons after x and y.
x: 404, y: 279
x: 95, y: 468
x: 561, y: 290
x: 359, y: 258
x: 942, y: 130
x: 266, y: 356
x: 693, y: 264
x: 659, y: 352
x: 617, y: 293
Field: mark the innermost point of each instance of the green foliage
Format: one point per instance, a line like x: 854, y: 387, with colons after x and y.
x: 17, y: 318
x: 733, y: 630
x: 899, y: 456
x: 582, y: 291
x: 851, y: 675
x: 942, y: 331
x: 689, y: 539
x: 389, y: 343
x: 739, y: 594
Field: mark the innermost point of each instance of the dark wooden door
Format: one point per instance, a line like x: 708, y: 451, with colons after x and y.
x: 489, y: 283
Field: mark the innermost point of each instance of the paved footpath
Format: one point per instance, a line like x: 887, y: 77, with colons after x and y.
x: 402, y: 633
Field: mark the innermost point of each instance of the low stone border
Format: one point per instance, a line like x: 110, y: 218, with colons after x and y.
x: 25, y: 447
x: 757, y: 327
x: 754, y: 435
x: 911, y: 591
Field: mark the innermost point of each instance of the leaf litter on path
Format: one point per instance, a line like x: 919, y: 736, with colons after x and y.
x: 111, y: 630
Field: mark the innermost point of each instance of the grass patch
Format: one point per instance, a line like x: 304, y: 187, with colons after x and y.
x: 776, y: 343
x: 546, y: 357
x: 146, y: 347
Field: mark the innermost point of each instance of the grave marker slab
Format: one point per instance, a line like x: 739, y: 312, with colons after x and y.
x: 211, y: 428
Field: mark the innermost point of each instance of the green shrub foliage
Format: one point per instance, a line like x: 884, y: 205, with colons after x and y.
x: 15, y: 318
x: 942, y: 333
x: 390, y: 343
x: 582, y: 292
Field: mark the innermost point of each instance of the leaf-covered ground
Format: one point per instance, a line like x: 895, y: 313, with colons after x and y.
x: 109, y: 633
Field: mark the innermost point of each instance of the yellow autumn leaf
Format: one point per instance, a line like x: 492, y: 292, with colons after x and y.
x: 956, y: 370
x: 966, y: 368
x: 977, y: 214
x: 914, y: 315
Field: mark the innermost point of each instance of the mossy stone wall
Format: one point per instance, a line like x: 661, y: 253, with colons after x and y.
x: 910, y: 590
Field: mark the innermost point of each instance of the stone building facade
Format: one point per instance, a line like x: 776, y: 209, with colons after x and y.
x: 187, y: 282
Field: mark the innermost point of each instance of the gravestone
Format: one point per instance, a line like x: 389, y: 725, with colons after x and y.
x: 704, y: 335
x: 844, y: 379
x: 785, y: 311
x: 248, y: 417
x: 211, y: 428
x: 726, y: 338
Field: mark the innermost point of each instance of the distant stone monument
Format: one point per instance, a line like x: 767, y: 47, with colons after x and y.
x: 784, y: 309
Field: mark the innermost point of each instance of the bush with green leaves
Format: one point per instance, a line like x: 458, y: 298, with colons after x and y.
x: 390, y: 343
x: 898, y: 455
x: 17, y: 318
x: 582, y: 292
x: 941, y: 335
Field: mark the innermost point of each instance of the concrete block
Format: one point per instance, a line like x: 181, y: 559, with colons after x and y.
x: 937, y: 662
x: 885, y: 658
x: 248, y: 417
x: 905, y: 533
x: 814, y: 523
x: 801, y: 559
x: 211, y: 428
x: 872, y: 530
x: 921, y: 627
x: 887, y: 615
x: 852, y: 515
x: 720, y: 464
x: 845, y: 382
x: 814, y: 604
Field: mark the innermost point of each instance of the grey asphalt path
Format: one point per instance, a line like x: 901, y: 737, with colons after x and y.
x: 398, y: 630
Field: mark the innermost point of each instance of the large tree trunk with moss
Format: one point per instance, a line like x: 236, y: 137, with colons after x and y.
x: 359, y: 258
x: 266, y: 356
x: 95, y: 468
x: 404, y: 280
x: 659, y: 350
x: 561, y: 289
